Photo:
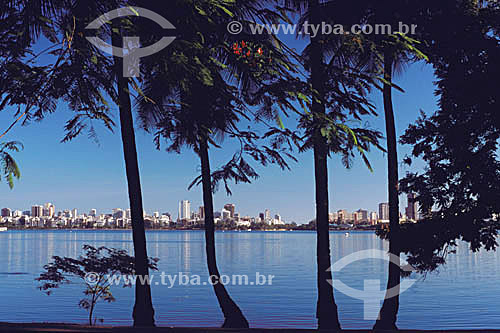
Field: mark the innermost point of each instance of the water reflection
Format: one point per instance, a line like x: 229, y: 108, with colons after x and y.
x: 461, y: 295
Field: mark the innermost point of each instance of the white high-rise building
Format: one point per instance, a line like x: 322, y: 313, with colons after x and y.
x: 74, y: 213
x: 49, y: 210
x: 184, y: 210
x: 342, y: 216
x: 277, y: 219
x: 333, y: 217
x: 226, y: 214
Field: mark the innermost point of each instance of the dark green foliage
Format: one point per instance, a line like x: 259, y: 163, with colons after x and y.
x: 8, y: 166
x: 23, y: 83
x: 96, y: 268
x: 200, y: 89
x: 77, y: 73
x: 458, y: 190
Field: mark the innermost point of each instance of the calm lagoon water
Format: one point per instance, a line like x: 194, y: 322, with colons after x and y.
x: 464, y: 294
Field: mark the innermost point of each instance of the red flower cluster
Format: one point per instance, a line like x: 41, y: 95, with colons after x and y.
x: 244, y: 50
x: 252, y: 56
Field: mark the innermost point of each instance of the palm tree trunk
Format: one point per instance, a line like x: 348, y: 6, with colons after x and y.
x: 326, y: 310
x: 143, y: 313
x: 388, y: 313
x: 234, y: 318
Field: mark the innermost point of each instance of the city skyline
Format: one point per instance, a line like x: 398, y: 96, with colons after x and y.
x: 186, y: 211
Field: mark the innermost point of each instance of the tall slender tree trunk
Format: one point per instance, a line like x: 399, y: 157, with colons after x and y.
x: 143, y: 313
x: 326, y: 310
x: 388, y: 313
x: 233, y: 316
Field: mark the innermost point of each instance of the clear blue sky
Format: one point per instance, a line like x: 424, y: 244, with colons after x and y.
x: 84, y: 175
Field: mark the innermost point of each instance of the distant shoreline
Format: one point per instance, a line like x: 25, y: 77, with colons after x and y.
x: 186, y: 229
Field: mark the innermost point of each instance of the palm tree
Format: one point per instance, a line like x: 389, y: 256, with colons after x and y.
x: 326, y: 310
x: 233, y: 315
x: 202, y: 114
x: 391, y: 52
x: 192, y: 105
x: 8, y: 166
x: 143, y: 312
x: 380, y: 54
x: 388, y: 313
x: 393, y: 55
x: 192, y: 96
x: 92, y: 73
x: 81, y: 76
x: 383, y: 54
x: 338, y: 94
